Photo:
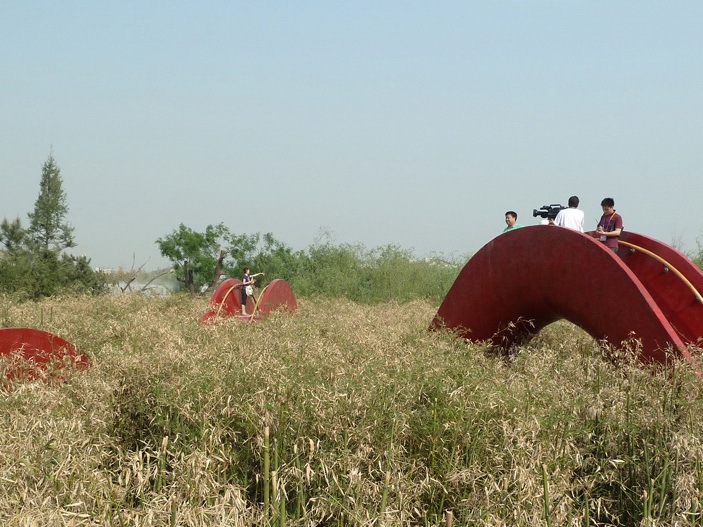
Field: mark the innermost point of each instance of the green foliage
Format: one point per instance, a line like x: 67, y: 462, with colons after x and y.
x: 372, y: 276
x: 77, y: 276
x: 274, y: 258
x: 262, y: 252
x: 48, y: 228
x: 325, y: 269
x: 369, y: 275
x: 194, y: 254
x: 12, y: 235
x: 39, y: 273
x: 33, y: 263
x: 329, y: 270
x: 697, y: 257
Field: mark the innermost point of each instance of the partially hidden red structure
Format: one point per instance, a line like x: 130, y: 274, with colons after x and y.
x: 30, y: 354
x: 646, y: 294
x: 226, y: 301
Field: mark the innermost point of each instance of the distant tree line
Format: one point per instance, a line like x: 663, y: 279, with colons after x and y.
x: 202, y: 259
x: 33, y: 259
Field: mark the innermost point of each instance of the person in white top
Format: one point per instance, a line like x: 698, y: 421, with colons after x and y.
x: 571, y: 218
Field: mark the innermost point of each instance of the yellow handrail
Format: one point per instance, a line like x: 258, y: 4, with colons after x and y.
x: 668, y: 265
x: 219, y: 308
x: 256, y: 301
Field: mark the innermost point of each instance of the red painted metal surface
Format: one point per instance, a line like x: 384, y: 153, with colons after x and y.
x: 278, y: 295
x: 525, y: 279
x: 673, y: 280
x: 30, y: 353
x: 226, y: 301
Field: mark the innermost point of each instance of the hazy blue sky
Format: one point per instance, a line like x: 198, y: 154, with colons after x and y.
x: 409, y: 123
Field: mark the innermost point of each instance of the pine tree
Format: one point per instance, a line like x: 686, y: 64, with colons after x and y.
x: 12, y: 235
x: 34, y: 261
x: 48, y: 228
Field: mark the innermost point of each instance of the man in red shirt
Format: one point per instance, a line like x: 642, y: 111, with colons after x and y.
x: 610, y: 225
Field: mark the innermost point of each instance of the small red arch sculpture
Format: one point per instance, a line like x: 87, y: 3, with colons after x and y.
x: 29, y: 353
x: 277, y: 295
x: 525, y: 279
x: 226, y: 301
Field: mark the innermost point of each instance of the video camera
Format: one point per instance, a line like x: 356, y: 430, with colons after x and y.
x: 548, y: 211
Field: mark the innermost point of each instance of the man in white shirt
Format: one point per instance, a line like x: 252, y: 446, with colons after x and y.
x: 571, y: 218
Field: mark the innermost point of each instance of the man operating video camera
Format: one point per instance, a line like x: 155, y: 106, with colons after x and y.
x: 572, y: 217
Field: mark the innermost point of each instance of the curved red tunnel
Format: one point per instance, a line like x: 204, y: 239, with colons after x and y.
x: 525, y: 279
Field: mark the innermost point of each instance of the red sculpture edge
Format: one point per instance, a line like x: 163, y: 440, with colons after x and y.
x: 276, y: 296
x: 29, y: 353
x: 226, y: 301
x: 672, y: 279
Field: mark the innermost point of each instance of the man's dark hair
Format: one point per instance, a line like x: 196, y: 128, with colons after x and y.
x: 511, y: 213
x: 574, y: 201
x: 607, y: 202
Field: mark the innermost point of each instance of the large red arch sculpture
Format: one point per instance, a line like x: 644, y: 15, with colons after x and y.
x: 525, y: 279
x: 226, y: 301
x: 29, y: 353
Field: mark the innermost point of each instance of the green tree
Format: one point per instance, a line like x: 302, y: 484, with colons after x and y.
x: 12, y: 235
x: 48, y: 228
x: 276, y: 259
x: 200, y: 257
x: 33, y: 262
x: 195, y: 255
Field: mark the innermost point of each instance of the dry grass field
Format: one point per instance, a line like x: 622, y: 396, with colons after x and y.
x: 341, y: 414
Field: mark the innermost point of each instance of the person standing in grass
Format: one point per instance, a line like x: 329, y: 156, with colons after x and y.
x: 247, y: 287
x: 511, y: 221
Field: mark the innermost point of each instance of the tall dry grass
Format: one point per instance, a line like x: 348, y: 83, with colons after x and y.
x: 339, y: 415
